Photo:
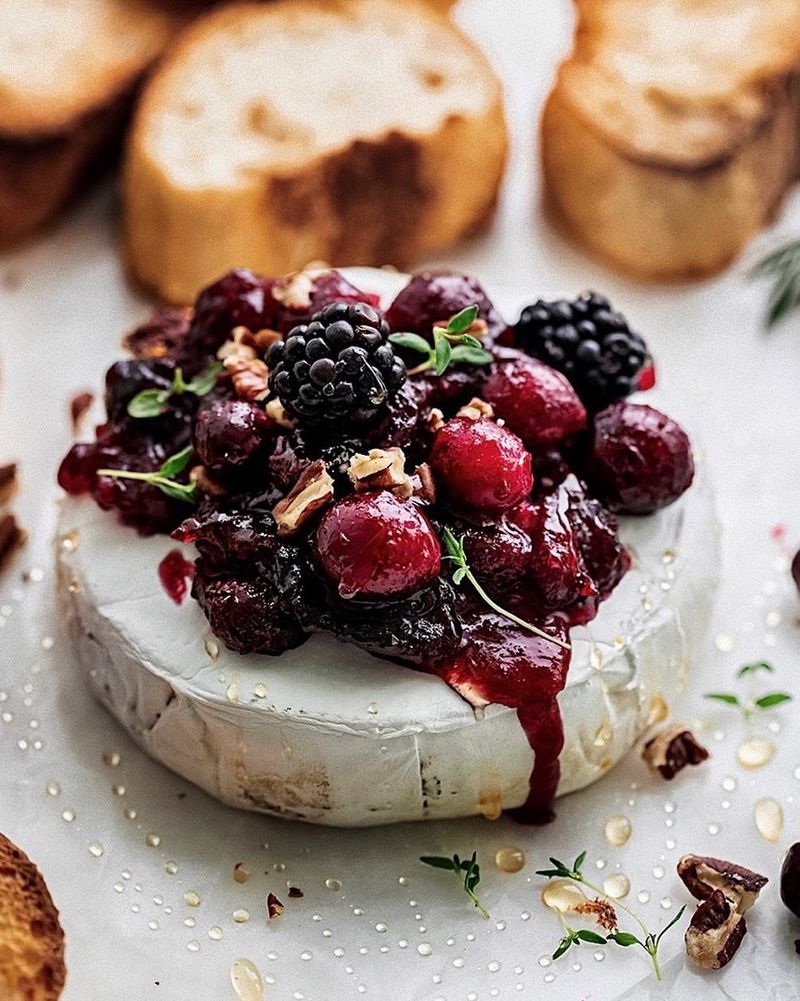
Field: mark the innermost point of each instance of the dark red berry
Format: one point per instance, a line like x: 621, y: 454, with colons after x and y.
x: 161, y: 335
x: 641, y: 460
x: 174, y: 571
x: 321, y: 289
x: 534, y: 400
x: 498, y: 553
x: 431, y: 299
x: 76, y: 474
x: 229, y: 432
x: 790, y: 879
x: 377, y: 546
x: 239, y: 298
x: 480, y: 466
x: 796, y: 570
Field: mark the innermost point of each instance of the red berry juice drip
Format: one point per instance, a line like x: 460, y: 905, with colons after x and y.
x: 175, y: 572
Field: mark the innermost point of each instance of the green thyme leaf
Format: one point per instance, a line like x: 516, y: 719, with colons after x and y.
x: 413, y: 342
x: 563, y: 945
x: 759, y: 665
x: 667, y: 927
x: 577, y: 865
x: 463, y: 320
x: 730, y: 700
x: 154, y: 402
x: 585, y: 935
x: 148, y: 403
x: 204, y: 382
x: 782, y: 268
x: 469, y: 355
x: 624, y: 938
x: 178, y: 462
x: 468, y: 867
x: 773, y: 699
x: 443, y: 352
x: 438, y: 862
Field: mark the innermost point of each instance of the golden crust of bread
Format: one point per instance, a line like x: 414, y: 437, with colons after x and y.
x: 282, y: 165
x: 68, y: 75
x: 31, y: 939
x: 672, y: 131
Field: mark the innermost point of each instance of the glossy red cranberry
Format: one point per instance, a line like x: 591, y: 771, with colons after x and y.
x: 229, y: 432
x: 536, y: 402
x: 431, y: 298
x: 174, y: 571
x: 377, y: 546
x: 232, y: 540
x: 239, y: 298
x: 641, y: 459
x: 498, y: 553
x: 480, y: 466
x: 76, y: 474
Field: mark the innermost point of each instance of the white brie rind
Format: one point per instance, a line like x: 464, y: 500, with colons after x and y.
x: 329, y: 734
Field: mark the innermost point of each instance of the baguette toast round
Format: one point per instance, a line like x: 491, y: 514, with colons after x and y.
x: 31, y: 939
x: 361, y: 131
x: 671, y: 134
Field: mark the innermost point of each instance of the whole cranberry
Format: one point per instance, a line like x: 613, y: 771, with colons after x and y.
x: 431, y: 298
x: 790, y: 879
x: 498, y: 553
x: 641, y: 460
x: 536, y: 402
x: 480, y: 466
x: 76, y: 474
x: 375, y: 545
x: 239, y: 298
x: 127, y: 378
x: 229, y: 432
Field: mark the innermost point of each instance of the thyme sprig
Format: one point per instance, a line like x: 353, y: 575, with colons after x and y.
x: 468, y: 873
x: 782, y: 268
x: 753, y: 703
x: 163, y: 478
x: 649, y: 941
x: 154, y: 402
x: 463, y: 571
x: 451, y: 343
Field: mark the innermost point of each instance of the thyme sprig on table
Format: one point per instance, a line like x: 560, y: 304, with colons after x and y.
x: 649, y: 941
x: 451, y: 343
x: 749, y: 706
x: 154, y: 402
x: 782, y: 268
x: 468, y: 873
x: 463, y: 571
x: 163, y: 478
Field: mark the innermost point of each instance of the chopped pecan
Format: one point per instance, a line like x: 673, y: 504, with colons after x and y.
x: 703, y: 876
x: 8, y: 481
x: 380, y: 470
x: 671, y: 750
x: 715, y: 932
x: 313, y: 490
x: 250, y: 377
x: 294, y: 291
x: 274, y: 907
x: 475, y: 409
x: 424, y: 485
x: 78, y: 407
x: 435, y: 420
x: 240, y: 345
x: 275, y: 411
x: 11, y: 537
x: 264, y: 339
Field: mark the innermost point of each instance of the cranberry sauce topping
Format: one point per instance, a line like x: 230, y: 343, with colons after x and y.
x: 439, y: 520
x: 174, y: 571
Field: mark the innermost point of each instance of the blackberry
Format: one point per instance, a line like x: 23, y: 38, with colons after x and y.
x: 589, y: 342
x: 337, y: 369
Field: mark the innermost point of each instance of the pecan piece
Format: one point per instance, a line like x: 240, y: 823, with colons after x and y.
x: 715, y: 932
x: 8, y: 481
x: 703, y: 876
x: 312, y: 492
x: 274, y: 907
x: 11, y: 537
x: 671, y: 750
x: 424, y: 485
x: 250, y: 377
x: 380, y: 470
x: 276, y: 412
x: 78, y: 408
x: 475, y: 409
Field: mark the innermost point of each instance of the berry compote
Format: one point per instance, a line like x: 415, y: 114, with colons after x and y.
x: 436, y: 515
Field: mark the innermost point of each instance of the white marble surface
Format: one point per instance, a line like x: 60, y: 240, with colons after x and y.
x: 62, y: 306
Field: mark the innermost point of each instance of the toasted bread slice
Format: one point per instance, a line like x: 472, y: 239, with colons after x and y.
x: 31, y: 940
x: 360, y: 131
x: 671, y: 134
x: 68, y: 73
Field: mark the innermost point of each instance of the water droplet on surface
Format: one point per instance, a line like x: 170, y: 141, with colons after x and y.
x: 246, y: 980
x: 380, y: 927
x: 510, y: 859
x: 333, y: 884
x: 755, y: 752
x: 215, y: 933
x: 96, y: 849
x: 458, y: 962
x: 665, y: 903
x: 153, y: 925
x: 189, y: 922
x: 729, y: 783
x: 118, y: 887
x: 170, y: 868
x: 241, y: 874
x: 658, y: 871
x: 212, y: 648
x: 724, y: 642
x: 118, y: 790
x: 713, y: 829
x: 493, y: 966
x: 192, y: 898
x: 68, y: 815
x: 193, y: 946
x: 240, y: 916
x: 130, y: 813
x: 52, y: 788
x: 306, y: 956
x: 425, y: 949
x: 599, y: 956
x: 562, y: 895
x: 617, y: 886
x: 152, y: 840
x: 769, y: 819
x: 260, y: 690
x: 111, y: 759
x: 373, y: 708
x: 618, y: 831
x: 232, y: 691
x: 643, y: 896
